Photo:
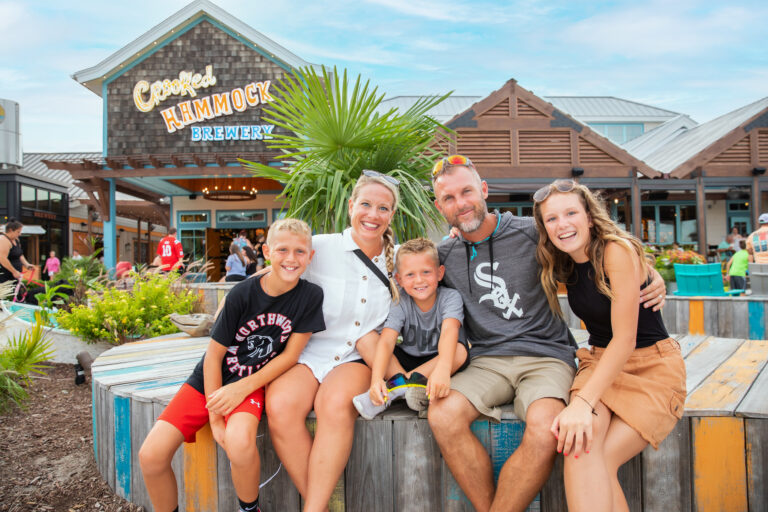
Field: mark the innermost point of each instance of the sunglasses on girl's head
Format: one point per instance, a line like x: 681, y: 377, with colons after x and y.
x: 385, y: 177
x: 559, y: 185
x: 441, y: 164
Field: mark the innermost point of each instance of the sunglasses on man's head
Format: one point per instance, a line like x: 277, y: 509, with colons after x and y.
x: 448, y: 161
x: 562, y: 186
x: 385, y: 177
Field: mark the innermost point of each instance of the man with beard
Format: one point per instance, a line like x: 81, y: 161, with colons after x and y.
x: 521, y: 352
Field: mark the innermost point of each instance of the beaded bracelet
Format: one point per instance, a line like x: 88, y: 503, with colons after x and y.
x: 587, y: 401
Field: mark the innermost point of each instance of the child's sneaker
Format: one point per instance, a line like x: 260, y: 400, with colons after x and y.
x: 396, y: 387
x: 416, y: 394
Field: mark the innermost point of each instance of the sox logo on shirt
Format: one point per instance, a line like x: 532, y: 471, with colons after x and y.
x: 499, y: 294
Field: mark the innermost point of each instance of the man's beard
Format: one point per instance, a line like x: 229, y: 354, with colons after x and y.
x: 478, y: 215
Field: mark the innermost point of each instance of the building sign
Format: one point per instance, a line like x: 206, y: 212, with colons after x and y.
x: 197, y: 110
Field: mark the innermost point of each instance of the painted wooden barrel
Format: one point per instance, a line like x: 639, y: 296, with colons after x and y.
x: 714, y: 460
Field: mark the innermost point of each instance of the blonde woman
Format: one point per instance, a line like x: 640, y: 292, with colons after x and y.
x: 630, y: 386
x: 330, y: 370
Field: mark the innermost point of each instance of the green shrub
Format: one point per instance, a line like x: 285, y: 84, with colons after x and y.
x: 23, y: 356
x: 118, y: 316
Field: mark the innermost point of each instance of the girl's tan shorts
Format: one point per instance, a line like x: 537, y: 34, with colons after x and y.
x: 648, y: 394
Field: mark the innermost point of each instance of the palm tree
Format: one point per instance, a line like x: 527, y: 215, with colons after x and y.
x: 332, y: 132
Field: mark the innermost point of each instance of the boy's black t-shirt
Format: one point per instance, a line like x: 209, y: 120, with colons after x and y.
x: 255, y: 326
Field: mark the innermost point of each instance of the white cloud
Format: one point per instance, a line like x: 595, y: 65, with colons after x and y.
x: 660, y: 29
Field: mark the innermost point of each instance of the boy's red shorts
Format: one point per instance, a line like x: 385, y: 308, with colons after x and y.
x: 187, y: 412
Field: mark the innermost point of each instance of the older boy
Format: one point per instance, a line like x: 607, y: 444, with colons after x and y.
x: 262, y: 329
x: 433, y: 345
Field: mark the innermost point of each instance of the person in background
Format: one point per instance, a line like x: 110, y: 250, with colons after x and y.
x: 235, y: 264
x: 259, y: 252
x: 170, y: 254
x: 76, y: 255
x: 757, y: 241
x: 736, y: 268
x: 52, y: 265
x: 734, y: 238
x: 251, y: 261
x: 12, y: 260
x: 242, y: 240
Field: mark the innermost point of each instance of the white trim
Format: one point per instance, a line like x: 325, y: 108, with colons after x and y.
x: 93, y: 77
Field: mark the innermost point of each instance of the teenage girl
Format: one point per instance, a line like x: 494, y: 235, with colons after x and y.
x: 630, y: 386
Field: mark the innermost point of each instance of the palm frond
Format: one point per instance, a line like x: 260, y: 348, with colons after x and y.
x: 331, y: 131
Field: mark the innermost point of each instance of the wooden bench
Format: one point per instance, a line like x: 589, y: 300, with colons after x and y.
x: 714, y: 460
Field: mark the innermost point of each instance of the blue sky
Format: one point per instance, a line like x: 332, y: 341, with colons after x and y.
x: 699, y: 58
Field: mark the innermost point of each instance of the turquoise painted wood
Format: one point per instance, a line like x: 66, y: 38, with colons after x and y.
x: 757, y: 321
x: 123, y: 447
x: 701, y: 280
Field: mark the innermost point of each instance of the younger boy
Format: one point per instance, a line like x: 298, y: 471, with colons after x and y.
x: 737, y: 267
x: 264, y: 325
x: 433, y: 345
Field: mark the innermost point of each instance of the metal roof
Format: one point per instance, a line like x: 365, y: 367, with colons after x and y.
x: 656, y: 138
x: 35, y: 168
x: 691, y: 142
x: 93, y: 77
x: 609, y: 109
x: 443, y: 112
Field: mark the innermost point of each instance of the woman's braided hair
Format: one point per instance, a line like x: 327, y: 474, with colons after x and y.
x: 389, y: 236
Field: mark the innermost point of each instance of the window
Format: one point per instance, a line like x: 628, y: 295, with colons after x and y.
x: 57, y: 205
x: 666, y: 223
x: 3, y: 195
x: 241, y: 219
x: 519, y: 209
x: 188, y: 217
x: 42, y: 199
x: 619, y: 132
x: 28, y: 197
x: 193, y: 242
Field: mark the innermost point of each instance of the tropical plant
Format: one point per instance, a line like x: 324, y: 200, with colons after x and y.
x: 331, y: 132
x: 52, y: 298
x: 83, y: 274
x: 23, y: 355
x: 117, y: 316
x: 665, y: 262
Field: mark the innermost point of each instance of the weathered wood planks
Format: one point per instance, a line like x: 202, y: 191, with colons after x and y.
x: 727, y: 377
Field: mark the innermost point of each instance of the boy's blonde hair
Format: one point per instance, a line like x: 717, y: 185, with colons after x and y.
x: 417, y: 246
x: 295, y: 226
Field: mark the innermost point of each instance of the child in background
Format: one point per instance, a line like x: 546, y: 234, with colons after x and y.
x: 263, y: 327
x: 433, y: 345
x: 235, y: 265
x: 737, y: 267
x: 52, y: 265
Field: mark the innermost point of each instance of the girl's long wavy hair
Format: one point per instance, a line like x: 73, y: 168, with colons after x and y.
x: 557, y: 265
x: 389, y: 236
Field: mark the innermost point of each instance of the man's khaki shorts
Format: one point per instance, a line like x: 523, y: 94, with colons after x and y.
x: 492, y: 381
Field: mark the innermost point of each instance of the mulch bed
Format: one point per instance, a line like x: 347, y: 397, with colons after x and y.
x: 46, y: 451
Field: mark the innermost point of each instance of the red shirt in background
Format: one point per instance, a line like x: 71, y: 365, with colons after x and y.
x: 170, y: 252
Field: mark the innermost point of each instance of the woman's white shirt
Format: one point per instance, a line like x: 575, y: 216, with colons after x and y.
x: 355, y: 301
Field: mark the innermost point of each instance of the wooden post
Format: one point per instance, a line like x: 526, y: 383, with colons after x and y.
x: 637, y: 220
x: 701, y: 216
x: 138, y: 257
x: 755, y: 200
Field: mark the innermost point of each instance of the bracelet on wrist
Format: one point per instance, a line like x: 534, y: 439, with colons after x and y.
x: 587, y: 401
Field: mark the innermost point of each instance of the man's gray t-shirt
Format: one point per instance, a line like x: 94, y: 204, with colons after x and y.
x: 506, y: 309
x: 421, y: 329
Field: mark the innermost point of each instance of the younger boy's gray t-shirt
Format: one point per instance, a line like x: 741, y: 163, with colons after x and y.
x: 421, y: 330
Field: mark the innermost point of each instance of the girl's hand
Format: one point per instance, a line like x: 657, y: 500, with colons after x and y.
x: 224, y: 400
x: 573, y: 428
x: 378, y: 392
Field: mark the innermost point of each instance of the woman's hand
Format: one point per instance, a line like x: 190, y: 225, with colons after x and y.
x: 224, y: 400
x: 655, y: 294
x: 378, y: 392
x: 572, y: 427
